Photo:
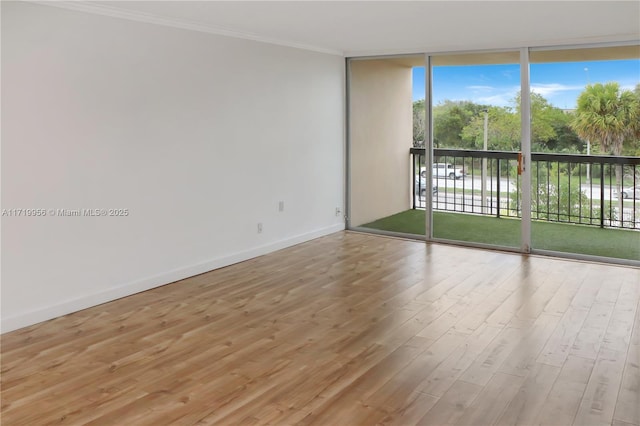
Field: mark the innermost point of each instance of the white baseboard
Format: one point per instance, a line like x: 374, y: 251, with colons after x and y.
x: 33, y: 317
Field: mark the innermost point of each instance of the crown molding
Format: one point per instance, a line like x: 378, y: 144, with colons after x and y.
x: 116, y: 12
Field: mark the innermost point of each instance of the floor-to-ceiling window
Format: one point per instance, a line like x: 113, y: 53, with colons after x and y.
x: 585, y: 138
x: 476, y: 139
x: 489, y: 163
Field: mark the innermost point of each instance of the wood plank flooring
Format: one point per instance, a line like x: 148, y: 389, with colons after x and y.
x: 349, y: 329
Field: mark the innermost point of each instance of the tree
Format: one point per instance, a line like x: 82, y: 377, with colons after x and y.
x: 449, y: 119
x: 418, y: 124
x: 631, y: 146
x: 566, y: 139
x: 608, y: 116
x: 543, y: 117
x: 550, y: 129
x: 557, y: 202
x: 503, y: 131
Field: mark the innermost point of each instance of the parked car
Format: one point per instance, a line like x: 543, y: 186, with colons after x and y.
x: 444, y: 170
x: 631, y: 192
x: 421, y: 186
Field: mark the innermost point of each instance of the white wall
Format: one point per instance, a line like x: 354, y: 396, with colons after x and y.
x: 199, y: 136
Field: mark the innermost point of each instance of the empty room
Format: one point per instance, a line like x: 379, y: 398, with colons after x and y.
x: 328, y: 213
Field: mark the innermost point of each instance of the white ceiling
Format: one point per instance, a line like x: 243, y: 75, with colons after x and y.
x: 358, y: 28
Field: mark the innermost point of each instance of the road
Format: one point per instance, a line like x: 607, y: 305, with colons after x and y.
x: 475, y: 183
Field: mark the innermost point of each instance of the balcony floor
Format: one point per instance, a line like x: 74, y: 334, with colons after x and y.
x: 561, y: 237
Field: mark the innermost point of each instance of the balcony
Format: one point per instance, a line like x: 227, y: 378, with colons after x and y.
x: 571, y: 188
x: 576, y: 205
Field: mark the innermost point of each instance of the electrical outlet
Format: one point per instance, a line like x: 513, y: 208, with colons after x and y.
x: 281, y: 206
x: 259, y: 227
x: 338, y: 211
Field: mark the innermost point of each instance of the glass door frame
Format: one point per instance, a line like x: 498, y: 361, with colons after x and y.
x: 525, y: 149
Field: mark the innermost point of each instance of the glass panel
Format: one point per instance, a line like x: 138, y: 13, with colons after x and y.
x: 385, y: 187
x: 586, y: 148
x: 476, y: 135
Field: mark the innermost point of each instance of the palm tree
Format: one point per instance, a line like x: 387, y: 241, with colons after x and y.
x: 608, y: 115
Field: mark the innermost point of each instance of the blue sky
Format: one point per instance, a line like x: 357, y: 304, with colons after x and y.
x: 560, y: 83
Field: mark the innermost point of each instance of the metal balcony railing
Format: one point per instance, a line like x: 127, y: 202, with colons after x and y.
x: 570, y: 188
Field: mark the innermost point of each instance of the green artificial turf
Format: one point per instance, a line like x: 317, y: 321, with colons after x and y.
x: 591, y: 240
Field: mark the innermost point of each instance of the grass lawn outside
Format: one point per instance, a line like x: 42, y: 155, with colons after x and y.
x: 561, y: 237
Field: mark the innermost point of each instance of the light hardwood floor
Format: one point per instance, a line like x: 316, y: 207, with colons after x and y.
x: 347, y: 329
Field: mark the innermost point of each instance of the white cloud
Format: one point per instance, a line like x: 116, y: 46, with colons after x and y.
x: 549, y: 90
x: 501, y: 99
x: 481, y: 88
x: 490, y: 95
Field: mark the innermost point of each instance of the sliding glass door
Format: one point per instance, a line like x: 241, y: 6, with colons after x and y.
x: 585, y: 138
x: 476, y: 110
x: 531, y: 150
